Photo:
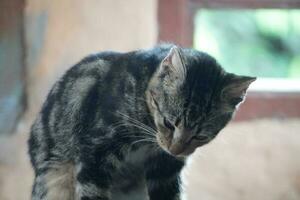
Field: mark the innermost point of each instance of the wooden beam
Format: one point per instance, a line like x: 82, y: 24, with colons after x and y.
x: 269, y: 105
x: 175, y: 19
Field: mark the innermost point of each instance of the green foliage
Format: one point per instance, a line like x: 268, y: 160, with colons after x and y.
x: 264, y: 43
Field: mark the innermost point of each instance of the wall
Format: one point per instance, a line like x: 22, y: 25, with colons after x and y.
x: 57, y: 35
x: 249, y: 160
x: 60, y: 33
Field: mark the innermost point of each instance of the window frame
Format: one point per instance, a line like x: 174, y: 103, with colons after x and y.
x: 175, y: 20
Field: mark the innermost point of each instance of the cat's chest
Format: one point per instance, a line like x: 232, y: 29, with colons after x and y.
x: 138, y: 156
x: 132, y: 166
x: 133, y: 163
x: 129, y: 180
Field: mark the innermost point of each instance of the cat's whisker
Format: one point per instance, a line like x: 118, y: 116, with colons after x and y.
x: 135, y: 120
x: 138, y: 124
x: 144, y: 131
x: 118, y: 125
x: 133, y: 136
x: 156, y: 147
x: 142, y: 126
x: 143, y: 140
x: 150, y: 141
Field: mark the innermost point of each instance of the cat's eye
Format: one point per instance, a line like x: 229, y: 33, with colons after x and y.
x: 177, y: 122
x: 168, y: 124
x: 202, y: 138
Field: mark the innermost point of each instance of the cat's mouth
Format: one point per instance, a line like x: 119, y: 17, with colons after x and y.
x: 180, y: 149
x: 184, y: 152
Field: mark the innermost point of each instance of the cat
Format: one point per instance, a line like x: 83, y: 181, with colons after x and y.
x: 120, y: 126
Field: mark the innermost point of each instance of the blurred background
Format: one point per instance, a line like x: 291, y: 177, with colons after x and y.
x: 255, y: 157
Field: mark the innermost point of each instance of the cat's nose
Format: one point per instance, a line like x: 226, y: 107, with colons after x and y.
x: 176, y: 148
x: 179, y: 141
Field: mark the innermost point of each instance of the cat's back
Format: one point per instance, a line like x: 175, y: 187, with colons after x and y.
x: 98, y: 81
x: 110, y: 65
x: 61, y: 109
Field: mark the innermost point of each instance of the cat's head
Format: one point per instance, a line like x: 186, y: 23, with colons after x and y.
x: 191, y: 99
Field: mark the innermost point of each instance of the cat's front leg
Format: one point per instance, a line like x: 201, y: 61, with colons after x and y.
x: 92, y: 182
x: 163, y: 179
x: 167, y: 189
x: 94, y: 173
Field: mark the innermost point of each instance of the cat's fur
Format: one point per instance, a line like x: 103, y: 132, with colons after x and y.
x: 120, y: 125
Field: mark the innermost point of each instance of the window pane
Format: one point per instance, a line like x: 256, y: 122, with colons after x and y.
x: 263, y: 42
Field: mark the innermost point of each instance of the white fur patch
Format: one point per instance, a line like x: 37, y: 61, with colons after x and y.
x: 60, y: 182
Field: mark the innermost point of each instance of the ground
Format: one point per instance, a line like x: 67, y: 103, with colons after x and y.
x: 248, y: 160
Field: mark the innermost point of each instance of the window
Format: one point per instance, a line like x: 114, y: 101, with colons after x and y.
x: 251, y: 37
x: 263, y: 42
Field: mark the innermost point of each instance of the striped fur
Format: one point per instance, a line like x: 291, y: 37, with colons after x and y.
x: 120, y: 125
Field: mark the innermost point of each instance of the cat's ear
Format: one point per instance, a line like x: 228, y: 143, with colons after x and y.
x: 236, y: 87
x: 172, y: 68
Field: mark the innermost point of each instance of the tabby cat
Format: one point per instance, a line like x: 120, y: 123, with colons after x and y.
x: 120, y: 126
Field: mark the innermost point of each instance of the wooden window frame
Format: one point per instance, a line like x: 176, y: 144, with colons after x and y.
x: 175, y: 20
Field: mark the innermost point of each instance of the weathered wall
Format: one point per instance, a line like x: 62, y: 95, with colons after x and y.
x: 251, y: 160
x: 60, y: 33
